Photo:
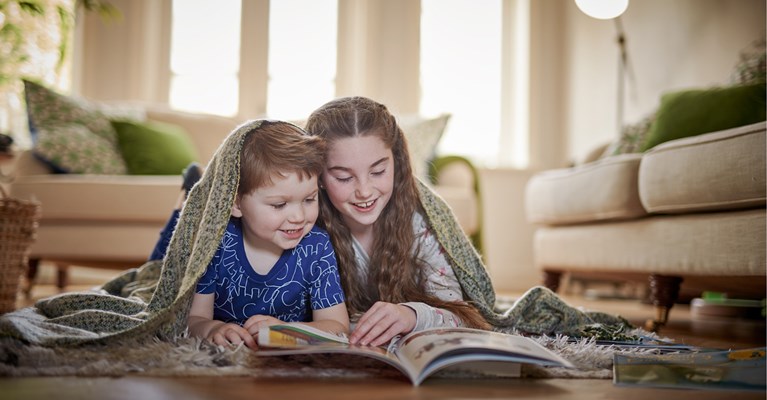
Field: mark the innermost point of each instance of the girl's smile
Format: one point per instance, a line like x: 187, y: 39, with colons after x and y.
x: 359, y: 177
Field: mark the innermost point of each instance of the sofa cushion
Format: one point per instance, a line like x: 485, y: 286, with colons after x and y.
x: 70, y: 134
x: 154, y: 148
x: 72, y: 148
x: 206, y: 131
x: 715, y: 171
x: 423, y: 135
x: 693, y: 112
x: 715, y: 244
x: 598, y: 191
x: 96, y: 243
x: 108, y: 198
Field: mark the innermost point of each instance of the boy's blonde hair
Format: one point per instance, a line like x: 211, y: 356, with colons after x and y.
x: 278, y: 148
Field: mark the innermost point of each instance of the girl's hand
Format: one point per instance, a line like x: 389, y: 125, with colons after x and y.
x: 382, y: 322
x: 231, y: 334
x: 256, y: 322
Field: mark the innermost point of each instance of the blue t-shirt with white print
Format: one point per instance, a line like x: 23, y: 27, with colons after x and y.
x: 304, y: 278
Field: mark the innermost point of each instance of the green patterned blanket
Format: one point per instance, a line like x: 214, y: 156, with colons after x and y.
x: 153, y: 301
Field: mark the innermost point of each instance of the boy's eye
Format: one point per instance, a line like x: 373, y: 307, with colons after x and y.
x: 311, y: 199
x: 278, y: 206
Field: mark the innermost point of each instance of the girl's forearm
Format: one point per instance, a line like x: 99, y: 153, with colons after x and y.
x: 432, y: 317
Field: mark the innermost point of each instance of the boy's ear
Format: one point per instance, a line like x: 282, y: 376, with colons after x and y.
x: 236, y: 212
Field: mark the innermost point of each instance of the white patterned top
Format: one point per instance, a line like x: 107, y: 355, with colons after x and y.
x: 440, y: 278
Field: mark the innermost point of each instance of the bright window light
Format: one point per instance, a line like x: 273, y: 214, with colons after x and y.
x: 205, y: 56
x: 461, y: 74
x: 302, y: 56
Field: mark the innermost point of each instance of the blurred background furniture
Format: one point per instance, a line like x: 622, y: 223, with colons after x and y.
x: 107, y: 221
x: 688, y: 211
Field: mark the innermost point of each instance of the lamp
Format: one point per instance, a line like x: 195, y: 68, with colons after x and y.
x: 612, y: 9
x: 603, y: 9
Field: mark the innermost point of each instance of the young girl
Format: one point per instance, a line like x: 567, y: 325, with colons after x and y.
x: 273, y: 265
x: 394, y: 271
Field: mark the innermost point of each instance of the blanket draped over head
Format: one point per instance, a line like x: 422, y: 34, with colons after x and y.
x: 153, y: 301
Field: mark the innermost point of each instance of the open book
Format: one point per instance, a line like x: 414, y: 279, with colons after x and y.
x: 420, y: 354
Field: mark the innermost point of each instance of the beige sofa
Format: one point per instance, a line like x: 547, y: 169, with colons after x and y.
x: 113, y: 221
x: 689, y: 211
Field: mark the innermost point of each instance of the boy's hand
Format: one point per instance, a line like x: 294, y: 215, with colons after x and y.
x: 382, y: 322
x: 256, y: 322
x: 228, y: 334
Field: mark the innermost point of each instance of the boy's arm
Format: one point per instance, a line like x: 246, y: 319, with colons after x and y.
x: 200, y: 321
x: 333, y: 319
x: 202, y: 324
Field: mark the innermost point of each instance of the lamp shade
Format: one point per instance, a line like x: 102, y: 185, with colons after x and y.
x: 602, y: 9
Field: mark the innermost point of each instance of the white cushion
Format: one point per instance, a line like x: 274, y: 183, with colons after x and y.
x: 715, y: 171
x: 423, y: 135
x: 117, y: 198
x: 598, y: 191
x: 725, y: 243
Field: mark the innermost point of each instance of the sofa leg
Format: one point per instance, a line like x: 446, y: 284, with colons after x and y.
x: 551, y: 279
x: 62, y: 276
x: 32, y: 268
x: 664, y: 291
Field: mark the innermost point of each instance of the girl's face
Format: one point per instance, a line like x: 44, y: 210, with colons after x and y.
x: 276, y: 217
x: 359, y: 177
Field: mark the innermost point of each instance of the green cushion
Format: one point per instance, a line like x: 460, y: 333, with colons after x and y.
x: 692, y: 112
x: 70, y: 134
x: 154, y: 148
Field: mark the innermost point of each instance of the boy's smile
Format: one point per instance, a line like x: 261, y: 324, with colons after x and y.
x: 276, y: 217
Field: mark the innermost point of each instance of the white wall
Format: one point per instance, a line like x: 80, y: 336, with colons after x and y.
x: 507, y: 238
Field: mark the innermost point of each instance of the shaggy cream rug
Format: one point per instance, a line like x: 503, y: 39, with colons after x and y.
x: 194, y: 357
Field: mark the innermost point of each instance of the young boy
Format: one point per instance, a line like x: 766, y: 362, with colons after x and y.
x: 273, y: 265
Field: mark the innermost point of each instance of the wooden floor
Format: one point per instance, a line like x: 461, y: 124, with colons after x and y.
x: 721, y: 333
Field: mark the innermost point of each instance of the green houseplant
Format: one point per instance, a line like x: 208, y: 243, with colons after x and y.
x: 35, y: 41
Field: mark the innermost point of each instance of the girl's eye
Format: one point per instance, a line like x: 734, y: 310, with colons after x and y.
x: 344, y: 180
x: 378, y: 173
x: 278, y: 206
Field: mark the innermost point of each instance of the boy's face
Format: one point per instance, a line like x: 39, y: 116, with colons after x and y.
x: 278, y: 216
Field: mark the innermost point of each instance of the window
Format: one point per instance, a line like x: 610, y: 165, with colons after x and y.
x: 474, y: 63
x: 464, y: 77
x: 206, y: 50
x: 302, y: 56
x: 205, y: 56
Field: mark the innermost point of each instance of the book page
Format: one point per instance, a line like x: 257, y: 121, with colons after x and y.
x: 297, y: 336
x: 429, y: 350
x: 292, y: 339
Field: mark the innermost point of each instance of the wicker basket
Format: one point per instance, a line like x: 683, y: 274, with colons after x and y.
x: 18, y: 226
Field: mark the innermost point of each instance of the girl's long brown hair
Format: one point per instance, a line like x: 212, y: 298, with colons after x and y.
x: 396, y: 274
